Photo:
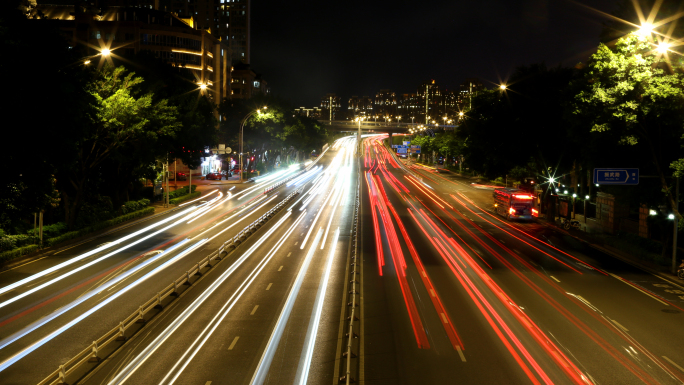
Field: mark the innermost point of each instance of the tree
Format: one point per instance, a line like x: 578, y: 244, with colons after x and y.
x: 123, y: 118
x: 632, y: 96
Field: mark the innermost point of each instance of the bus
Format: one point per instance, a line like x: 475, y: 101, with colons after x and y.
x: 513, y: 203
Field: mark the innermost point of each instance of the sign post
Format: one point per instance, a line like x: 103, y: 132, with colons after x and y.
x: 616, y: 176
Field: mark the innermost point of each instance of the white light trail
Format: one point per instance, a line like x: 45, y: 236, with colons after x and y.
x: 221, y: 315
x: 135, y: 363
x: 266, y: 359
x: 310, y: 339
x: 23, y: 332
x: 82, y: 256
x: 16, y: 357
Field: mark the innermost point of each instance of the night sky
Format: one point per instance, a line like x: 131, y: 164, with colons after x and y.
x: 306, y: 49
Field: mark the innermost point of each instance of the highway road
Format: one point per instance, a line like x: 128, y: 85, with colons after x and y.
x: 455, y: 294
x: 56, y: 306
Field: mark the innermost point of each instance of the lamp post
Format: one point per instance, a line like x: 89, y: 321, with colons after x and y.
x: 242, y: 128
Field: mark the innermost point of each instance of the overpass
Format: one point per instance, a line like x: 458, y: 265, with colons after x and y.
x: 390, y: 128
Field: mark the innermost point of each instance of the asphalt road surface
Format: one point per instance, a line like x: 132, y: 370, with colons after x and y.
x: 221, y: 328
x: 453, y: 293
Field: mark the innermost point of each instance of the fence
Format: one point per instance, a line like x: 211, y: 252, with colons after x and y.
x: 94, y: 352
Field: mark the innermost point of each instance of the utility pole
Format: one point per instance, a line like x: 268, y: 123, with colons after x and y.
x: 330, y: 107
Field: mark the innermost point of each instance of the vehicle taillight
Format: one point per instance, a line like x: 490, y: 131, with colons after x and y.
x: 511, y: 211
x: 535, y: 213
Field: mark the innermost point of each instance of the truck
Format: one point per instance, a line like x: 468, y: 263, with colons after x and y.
x: 513, y: 203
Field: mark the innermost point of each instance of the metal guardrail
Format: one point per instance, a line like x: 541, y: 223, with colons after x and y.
x: 353, y: 339
x: 93, y: 352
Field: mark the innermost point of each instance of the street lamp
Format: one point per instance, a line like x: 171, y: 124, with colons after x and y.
x: 105, y: 52
x: 646, y: 29
x: 502, y: 87
x: 663, y: 47
x: 242, y: 136
x: 203, y: 86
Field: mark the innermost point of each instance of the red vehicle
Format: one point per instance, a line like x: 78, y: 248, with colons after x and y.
x: 513, y: 203
x: 178, y: 176
x: 214, y: 176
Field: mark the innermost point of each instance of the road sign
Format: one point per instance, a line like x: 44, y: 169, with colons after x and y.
x: 395, y: 146
x: 406, y: 143
x: 623, y: 176
x: 402, y: 150
x: 400, y: 146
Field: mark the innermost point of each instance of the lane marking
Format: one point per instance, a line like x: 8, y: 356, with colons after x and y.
x: 296, y: 243
x: 301, y: 234
x: 460, y: 353
x: 618, y: 324
x: 280, y: 268
x: 254, y: 310
x: 208, y: 383
x: 432, y: 293
x: 554, y: 278
x: 638, y: 288
x: 232, y: 344
x: 269, y: 286
x: 444, y: 318
x: 673, y: 363
x: 288, y: 254
x: 502, y: 241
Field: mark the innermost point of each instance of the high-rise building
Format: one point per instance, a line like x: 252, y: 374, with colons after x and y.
x: 226, y: 20
x: 331, y: 105
x: 129, y: 30
x: 385, y: 103
x: 359, y: 106
x: 467, y: 89
x: 246, y: 83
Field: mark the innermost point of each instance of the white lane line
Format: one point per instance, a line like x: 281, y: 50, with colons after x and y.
x: 314, y: 222
x: 83, y: 256
x: 432, y: 293
x: 232, y: 344
x: 280, y: 268
x: 140, y: 359
x: 460, y: 353
x: 261, y: 373
x: 673, y: 363
x: 554, y: 278
x: 269, y: 286
x: 254, y: 310
x: 502, y: 241
x: 296, y: 243
x: 309, y: 341
x: 288, y: 254
x: 635, y: 287
x: 208, y: 383
x: 618, y: 324
x: 23, y: 353
x: 444, y: 318
x: 301, y: 234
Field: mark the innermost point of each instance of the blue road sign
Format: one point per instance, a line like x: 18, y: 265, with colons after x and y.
x: 402, y: 150
x: 395, y: 145
x: 406, y: 143
x: 624, y: 176
x: 415, y: 147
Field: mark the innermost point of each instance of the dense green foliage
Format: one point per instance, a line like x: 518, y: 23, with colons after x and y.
x: 93, y: 132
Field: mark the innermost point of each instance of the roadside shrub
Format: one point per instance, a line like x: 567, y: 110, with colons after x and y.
x: 16, y: 253
x: 132, y: 206
x: 185, y: 197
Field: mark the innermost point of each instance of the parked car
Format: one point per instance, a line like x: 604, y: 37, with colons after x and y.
x: 178, y: 176
x: 214, y: 176
x: 226, y: 173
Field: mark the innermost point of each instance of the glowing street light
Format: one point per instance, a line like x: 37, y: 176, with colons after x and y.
x: 242, y: 136
x: 646, y: 29
x: 461, y: 114
x: 86, y: 62
x: 663, y: 47
x: 502, y: 87
x: 105, y: 52
x: 203, y: 86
